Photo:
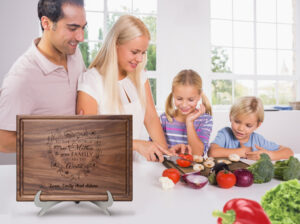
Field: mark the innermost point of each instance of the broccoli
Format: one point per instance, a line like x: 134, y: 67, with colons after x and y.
x: 287, y: 169
x: 262, y: 170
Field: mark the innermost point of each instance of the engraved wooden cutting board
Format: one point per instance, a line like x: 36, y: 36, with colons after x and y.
x: 74, y: 157
x: 232, y: 167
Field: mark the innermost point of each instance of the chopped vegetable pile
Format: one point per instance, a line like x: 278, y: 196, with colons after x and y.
x: 287, y: 169
x: 262, y: 170
x: 282, y: 203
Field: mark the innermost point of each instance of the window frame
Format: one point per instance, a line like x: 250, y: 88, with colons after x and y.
x: 106, y: 13
x: 255, y: 77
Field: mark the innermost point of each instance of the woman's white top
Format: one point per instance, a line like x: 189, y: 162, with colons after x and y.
x: 91, y: 82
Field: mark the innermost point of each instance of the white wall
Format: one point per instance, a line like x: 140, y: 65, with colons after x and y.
x: 182, y: 42
x: 19, y: 26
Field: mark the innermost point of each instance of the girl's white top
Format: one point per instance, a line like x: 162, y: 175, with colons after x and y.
x: 91, y: 82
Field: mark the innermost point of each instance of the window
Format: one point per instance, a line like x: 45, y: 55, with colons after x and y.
x: 102, y: 14
x: 253, y: 51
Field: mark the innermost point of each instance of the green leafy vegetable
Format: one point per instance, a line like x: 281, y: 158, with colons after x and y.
x: 262, y: 170
x: 287, y: 169
x: 282, y: 203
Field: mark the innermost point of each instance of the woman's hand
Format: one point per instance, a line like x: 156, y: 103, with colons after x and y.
x: 151, y: 150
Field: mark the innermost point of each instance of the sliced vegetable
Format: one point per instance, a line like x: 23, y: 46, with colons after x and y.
x: 186, y: 160
x: 226, y: 179
x: 242, y: 211
x: 198, y: 158
x: 209, y: 163
x: 244, y: 178
x: 226, y: 161
x: 210, y: 158
x: 198, y: 167
x: 195, y: 180
x: 173, y: 174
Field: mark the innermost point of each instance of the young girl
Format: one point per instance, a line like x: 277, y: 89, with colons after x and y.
x: 246, y: 115
x: 116, y: 84
x: 186, y: 120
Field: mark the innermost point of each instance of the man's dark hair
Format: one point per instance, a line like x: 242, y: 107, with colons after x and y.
x: 53, y: 8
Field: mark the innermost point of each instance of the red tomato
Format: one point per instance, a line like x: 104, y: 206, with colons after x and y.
x: 172, y: 173
x: 183, y: 162
x: 226, y: 179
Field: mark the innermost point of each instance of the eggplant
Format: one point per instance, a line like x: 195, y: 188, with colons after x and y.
x: 218, y: 167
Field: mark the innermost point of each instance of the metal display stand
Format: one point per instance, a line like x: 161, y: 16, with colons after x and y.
x: 46, y: 205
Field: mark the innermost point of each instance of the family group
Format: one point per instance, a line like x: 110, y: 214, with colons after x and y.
x: 50, y: 78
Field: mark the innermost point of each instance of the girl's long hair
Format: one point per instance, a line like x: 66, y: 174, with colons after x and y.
x: 187, y: 78
x: 106, y: 62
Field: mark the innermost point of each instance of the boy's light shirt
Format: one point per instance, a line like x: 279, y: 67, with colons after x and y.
x: 226, y: 139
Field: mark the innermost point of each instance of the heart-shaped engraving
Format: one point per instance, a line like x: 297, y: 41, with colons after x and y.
x: 74, y: 153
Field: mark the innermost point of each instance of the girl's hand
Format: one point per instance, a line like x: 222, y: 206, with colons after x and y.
x: 180, y: 148
x: 244, y: 150
x: 196, y: 113
x: 152, y: 151
x: 256, y: 154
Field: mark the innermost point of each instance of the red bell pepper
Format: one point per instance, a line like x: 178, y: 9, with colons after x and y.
x: 242, y: 211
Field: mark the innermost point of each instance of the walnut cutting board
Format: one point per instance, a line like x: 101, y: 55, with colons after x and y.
x: 74, y: 157
x: 232, y: 167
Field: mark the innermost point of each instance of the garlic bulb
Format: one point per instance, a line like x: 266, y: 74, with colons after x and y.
x: 166, y: 183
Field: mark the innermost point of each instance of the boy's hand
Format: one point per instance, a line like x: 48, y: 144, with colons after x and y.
x: 256, y: 154
x: 244, y: 150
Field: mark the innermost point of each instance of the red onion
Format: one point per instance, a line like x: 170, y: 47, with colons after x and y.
x: 244, y: 178
x: 195, y: 180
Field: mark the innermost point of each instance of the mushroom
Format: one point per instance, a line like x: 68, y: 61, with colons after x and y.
x: 224, y: 161
x: 198, y: 167
x: 209, y: 163
x: 234, y: 157
x: 210, y: 159
x: 198, y: 158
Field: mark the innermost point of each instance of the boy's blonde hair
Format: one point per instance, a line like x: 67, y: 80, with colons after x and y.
x: 106, y: 62
x: 248, y: 105
x: 187, y: 78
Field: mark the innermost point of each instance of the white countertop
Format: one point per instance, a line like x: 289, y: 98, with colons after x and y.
x: 150, y: 203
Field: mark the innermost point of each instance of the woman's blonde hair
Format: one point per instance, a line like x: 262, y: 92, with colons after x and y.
x: 187, y: 78
x: 106, y: 62
x: 248, y: 105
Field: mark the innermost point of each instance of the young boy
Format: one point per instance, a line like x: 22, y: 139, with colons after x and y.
x: 246, y: 115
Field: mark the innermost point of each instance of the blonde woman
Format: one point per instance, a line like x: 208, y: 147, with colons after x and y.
x: 246, y: 115
x: 187, y: 119
x: 115, y: 83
